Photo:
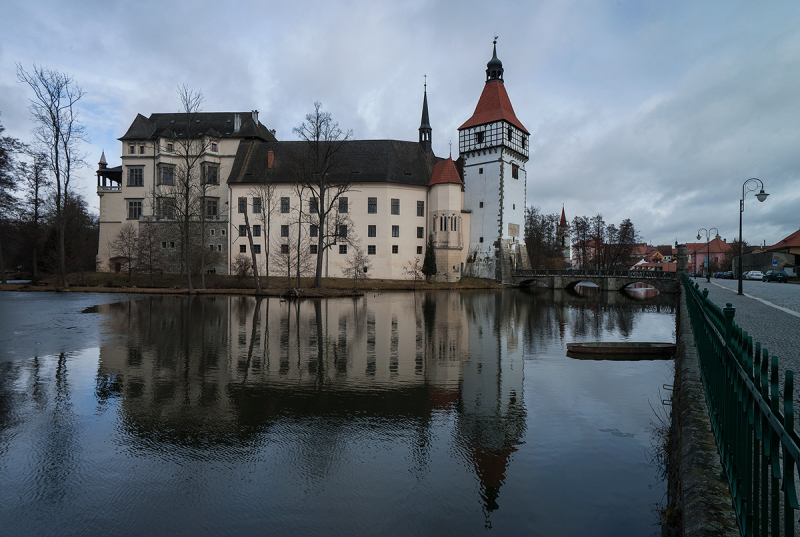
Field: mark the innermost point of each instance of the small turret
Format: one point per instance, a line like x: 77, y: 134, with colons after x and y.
x: 102, y: 164
x: 494, y: 69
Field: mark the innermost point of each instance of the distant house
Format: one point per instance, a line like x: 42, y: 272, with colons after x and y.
x: 701, y: 252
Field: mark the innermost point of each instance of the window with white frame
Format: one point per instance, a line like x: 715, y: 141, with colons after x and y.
x: 257, y: 205
x: 212, y: 207
x: 256, y: 231
x: 284, y: 231
x: 370, y: 249
x: 343, y: 204
x: 395, y: 231
x: 284, y: 205
x: 420, y: 208
x: 242, y: 205
x: 372, y: 205
x: 372, y: 231
x: 395, y: 206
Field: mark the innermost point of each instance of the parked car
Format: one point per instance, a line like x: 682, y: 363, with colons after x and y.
x: 776, y: 276
x: 728, y: 275
x: 755, y: 275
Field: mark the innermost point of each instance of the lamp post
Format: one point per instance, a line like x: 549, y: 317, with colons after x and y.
x: 761, y: 196
x: 708, y: 247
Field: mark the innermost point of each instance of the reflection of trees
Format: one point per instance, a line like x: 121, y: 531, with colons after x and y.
x: 550, y: 312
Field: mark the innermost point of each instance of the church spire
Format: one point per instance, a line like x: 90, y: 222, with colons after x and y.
x: 494, y: 69
x: 425, y: 124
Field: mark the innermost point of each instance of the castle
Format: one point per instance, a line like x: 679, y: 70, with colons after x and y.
x: 398, y: 194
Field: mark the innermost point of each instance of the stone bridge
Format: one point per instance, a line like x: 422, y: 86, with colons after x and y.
x: 606, y: 280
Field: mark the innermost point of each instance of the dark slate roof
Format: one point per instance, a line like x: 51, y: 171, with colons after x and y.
x: 217, y: 124
x: 360, y: 161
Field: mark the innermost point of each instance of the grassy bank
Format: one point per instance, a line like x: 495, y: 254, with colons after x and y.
x: 219, y: 284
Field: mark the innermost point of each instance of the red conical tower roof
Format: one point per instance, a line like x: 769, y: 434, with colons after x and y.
x: 445, y: 172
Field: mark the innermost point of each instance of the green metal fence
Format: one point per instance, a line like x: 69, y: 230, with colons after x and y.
x: 757, y: 441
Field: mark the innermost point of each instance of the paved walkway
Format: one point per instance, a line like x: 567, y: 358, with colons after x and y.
x: 770, y: 312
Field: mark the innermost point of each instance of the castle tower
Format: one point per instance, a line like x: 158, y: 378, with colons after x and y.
x: 493, y: 144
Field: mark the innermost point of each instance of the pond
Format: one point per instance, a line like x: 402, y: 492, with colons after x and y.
x: 430, y: 413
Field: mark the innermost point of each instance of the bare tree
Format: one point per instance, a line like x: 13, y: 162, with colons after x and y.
x: 252, y: 250
x: 293, y: 258
x: 58, y: 133
x: 323, y: 140
x: 8, y: 185
x: 149, y: 255
x: 125, y: 246
x: 182, y: 195
x: 413, y: 269
x: 580, y: 237
x: 268, y: 205
x: 35, y: 186
x: 357, y: 265
x: 242, y: 267
x: 597, y: 228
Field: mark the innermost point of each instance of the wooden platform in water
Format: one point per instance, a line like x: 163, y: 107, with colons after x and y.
x: 622, y: 350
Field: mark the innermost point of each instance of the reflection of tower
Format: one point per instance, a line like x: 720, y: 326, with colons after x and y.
x: 491, y: 417
x: 562, y: 236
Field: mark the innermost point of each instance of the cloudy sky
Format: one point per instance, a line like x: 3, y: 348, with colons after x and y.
x: 654, y: 111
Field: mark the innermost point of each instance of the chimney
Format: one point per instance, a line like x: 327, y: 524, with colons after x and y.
x: 255, y: 116
x: 270, y: 159
x: 237, y: 122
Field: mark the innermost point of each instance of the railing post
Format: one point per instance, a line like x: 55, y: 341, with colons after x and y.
x: 729, y: 312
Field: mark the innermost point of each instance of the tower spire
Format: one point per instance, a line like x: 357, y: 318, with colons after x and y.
x: 425, y: 129
x: 494, y: 69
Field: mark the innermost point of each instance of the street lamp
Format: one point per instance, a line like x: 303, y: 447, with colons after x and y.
x: 761, y: 196
x: 708, y: 247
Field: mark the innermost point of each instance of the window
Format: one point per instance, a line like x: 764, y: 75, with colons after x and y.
x: 242, y: 205
x: 313, y: 205
x: 243, y: 248
x: 370, y: 249
x: 284, y: 248
x: 166, y: 175
x: 342, y: 248
x: 395, y: 231
x: 479, y: 137
x: 170, y: 147
x: 257, y: 205
x: 166, y: 208
x: 420, y: 232
x: 455, y: 224
x: 219, y: 247
x: 256, y: 231
x: 212, y: 207
x: 172, y: 244
x: 134, y: 209
x: 372, y: 205
x: 515, y: 171
x: 312, y: 249
x: 395, y: 206
x: 256, y: 248
x: 480, y: 170
x: 214, y: 146
x: 420, y: 208
x: 513, y: 206
x: 131, y: 149
x: 419, y: 250
x: 284, y: 205
x: 343, y: 205
x: 480, y: 205
x: 523, y: 142
x: 136, y: 176
x: 284, y: 231
x: 343, y: 231
x: 313, y: 230
x: 371, y: 231
x: 211, y: 247
x: 211, y: 174
x: 211, y: 232
x: 509, y: 134
x: 163, y: 244
x: 141, y: 150
x: 222, y: 232
x: 243, y: 230
x: 481, y: 239
x: 395, y: 249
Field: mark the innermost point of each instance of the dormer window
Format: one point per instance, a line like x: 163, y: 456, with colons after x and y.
x: 170, y: 146
x: 131, y: 149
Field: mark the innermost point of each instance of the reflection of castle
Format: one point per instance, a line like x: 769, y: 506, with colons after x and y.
x: 221, y: 367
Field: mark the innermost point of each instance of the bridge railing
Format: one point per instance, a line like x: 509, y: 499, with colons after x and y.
x: 757, y: 441
x: 641, y: 274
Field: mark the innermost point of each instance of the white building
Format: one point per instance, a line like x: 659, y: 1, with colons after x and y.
x: 400, y: 193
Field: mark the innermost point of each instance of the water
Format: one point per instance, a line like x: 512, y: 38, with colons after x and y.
x: 448, y: 413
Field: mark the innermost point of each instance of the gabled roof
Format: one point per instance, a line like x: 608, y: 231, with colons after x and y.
x: 494, y: 105
x: 358, y: 161
x: 445, y: 172
x: 792, y: 241
x: 716, y: 246
x: 216, y: 124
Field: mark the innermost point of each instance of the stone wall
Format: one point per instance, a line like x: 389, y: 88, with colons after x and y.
x: 699, y: 500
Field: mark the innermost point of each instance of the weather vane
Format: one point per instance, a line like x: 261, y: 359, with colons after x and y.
x: 426, y: 81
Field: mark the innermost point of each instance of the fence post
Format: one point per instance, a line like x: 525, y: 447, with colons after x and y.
x: 729, y: 312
